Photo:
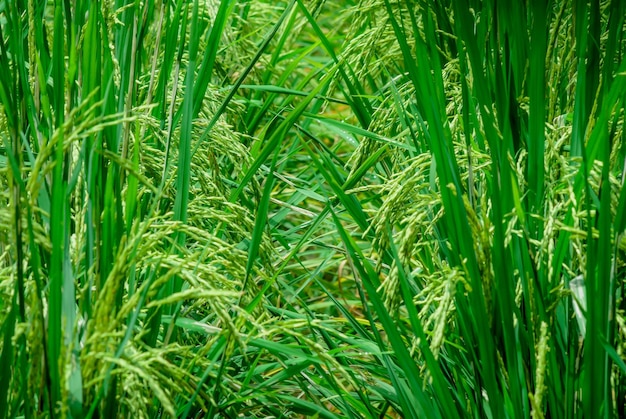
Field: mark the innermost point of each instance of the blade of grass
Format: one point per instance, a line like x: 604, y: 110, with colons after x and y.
x: 411, y: 395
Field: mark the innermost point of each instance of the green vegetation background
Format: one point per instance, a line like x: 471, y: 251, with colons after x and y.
x: 354, y: 209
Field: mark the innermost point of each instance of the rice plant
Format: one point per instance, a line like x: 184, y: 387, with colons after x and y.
x: 372, y: 208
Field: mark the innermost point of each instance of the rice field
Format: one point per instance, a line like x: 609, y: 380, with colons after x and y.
x: 312, y: 209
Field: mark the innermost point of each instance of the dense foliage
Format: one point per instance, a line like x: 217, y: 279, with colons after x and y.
x: 374, y: 208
